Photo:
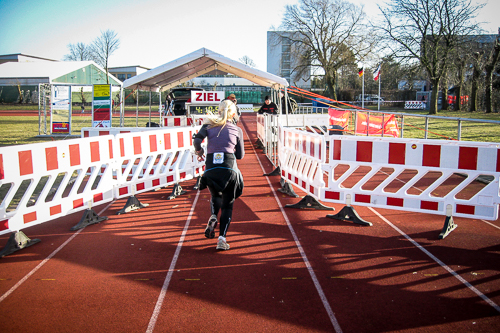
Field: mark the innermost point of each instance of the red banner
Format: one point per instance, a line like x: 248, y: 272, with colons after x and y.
x: 374, y: 124
x: 338, y: 117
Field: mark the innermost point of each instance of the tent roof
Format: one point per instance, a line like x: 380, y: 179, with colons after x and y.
x: 195, y: 64
x: 30, y: 73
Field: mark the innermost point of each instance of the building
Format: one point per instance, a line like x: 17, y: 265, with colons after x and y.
x: 19, y: 57
x: 126, y: 72
x: 282, y: 59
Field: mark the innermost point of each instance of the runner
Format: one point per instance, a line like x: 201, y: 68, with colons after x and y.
x: 222, y: 176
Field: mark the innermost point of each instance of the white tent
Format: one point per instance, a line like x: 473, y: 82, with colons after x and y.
x: 195, y: 64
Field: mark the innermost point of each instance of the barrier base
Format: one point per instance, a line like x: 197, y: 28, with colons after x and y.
x: 132, y: 204
x: 17, y: 241
x: 275, y: 172
x: 309, y: 202
x: 197, y: 185
x: 177, y: 190
x: 88, y: 218
x: 348, y: 213
x: 259, y: 144
x: 449, y: 226
x: 287, y: 189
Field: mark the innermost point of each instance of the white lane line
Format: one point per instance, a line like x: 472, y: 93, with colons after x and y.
x: 495, y: 226
x: 442, y: 264
x: 322, y: 295
x: 27, y: 276
x: 161, y: 297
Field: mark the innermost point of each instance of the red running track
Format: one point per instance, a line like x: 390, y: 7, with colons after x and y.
x: 287, y: 270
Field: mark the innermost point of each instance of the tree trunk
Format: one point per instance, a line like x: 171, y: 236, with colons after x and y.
x: 476, y: 72
x: 434, y: 97
x: 330, y: 83
x: 489, y: 92
x: 489, y: 68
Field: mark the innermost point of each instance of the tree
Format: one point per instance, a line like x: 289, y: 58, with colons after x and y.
x: 429, y: 30
x: 103, y: 47
x: 327, y: 34
x: 79, y: 52
x: 493, y: 61
x: 247, y: 61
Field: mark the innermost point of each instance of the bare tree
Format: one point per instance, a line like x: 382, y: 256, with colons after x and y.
x: 79, y: 52
x: 103, y: 47
x: 429, y: 30
x: 327, y: 34
x: 492, y: 63
x: 247, y: 61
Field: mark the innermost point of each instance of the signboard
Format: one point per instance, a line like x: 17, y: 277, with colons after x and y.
x: 101, y: 105
x: 60, y: 115
x: 206, y: 97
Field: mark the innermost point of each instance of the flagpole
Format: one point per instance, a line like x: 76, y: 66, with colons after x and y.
x: 379, y: 92
x: 363, y: 90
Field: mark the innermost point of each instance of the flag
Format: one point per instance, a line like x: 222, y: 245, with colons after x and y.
x: 360, y: 72
x: 376, y: 73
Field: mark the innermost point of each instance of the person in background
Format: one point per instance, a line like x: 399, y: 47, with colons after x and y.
x: 268, y: 107
x: 232, y: 97
x: 283, y: 105
x: 222, y: 177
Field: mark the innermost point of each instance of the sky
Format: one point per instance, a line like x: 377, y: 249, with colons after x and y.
x: 155, y: 32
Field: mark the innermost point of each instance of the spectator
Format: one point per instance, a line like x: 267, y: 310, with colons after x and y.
x: 268, y: 107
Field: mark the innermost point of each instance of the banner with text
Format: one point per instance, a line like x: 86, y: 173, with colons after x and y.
x: 60, y: 115
x: 101, y: 105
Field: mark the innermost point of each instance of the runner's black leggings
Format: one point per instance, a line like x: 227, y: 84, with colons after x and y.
x: 224, y: 202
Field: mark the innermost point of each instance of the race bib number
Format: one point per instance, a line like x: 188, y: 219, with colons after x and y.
x: 218, y: 158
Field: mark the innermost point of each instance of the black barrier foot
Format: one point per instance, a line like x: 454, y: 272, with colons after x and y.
x: 197, y: 185
x: 132, y: 204
x: 449, y: 226
x: 259, y: 144
x: 88, y: 218
x: 287, y: 189
x: 275, y: 172
x: 17, y: 241
x: 177, y: 190
x: 348, y: 213
x: 309, y: 202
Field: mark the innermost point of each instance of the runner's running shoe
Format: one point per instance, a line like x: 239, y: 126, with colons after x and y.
x: 222, y: 245
x: 211, y: 225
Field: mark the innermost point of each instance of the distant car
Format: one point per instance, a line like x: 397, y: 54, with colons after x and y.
x: 179, y: 97
x: 369, y: 99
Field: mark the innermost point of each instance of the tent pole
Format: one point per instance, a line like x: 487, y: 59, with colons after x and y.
x: 137, y: 108
x: 286, y: 106
x: 122, y: 108
x: 150, y: 107
x: 159, y: 104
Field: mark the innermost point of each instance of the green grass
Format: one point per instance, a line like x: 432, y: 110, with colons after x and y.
x: 19, y: 130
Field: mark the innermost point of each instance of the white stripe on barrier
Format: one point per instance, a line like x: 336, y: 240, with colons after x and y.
x: 44, y: 181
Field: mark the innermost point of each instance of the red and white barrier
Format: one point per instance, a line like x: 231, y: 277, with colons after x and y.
x: 98, y: 131
x: 149, y: 160
x: 45, y: 181
x: 429, y: 167
x: 301, y: 155
x: 415, y: 105
x: 174, y: 121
